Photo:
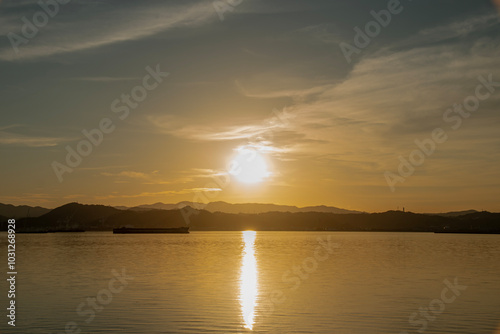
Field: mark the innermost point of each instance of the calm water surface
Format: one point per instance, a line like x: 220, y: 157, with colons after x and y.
x: 256, y: 282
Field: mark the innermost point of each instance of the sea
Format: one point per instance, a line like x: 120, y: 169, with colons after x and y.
x: 253, y: 282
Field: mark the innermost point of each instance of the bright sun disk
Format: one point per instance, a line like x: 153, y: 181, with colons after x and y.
x: 249, y: 166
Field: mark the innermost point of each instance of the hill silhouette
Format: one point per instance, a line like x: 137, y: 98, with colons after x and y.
x: 454, y: 213
x: 105, y: 218
x: 68, y: 216
x: 225, y: 207
x: 12, y: 211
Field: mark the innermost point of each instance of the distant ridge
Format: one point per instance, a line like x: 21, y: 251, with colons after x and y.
x: 76, y: 213
x: 453, y: 213
x: 12, y: 211
x: 75, y: 216
x: 69, y: 216
x: 225, y: 207
x: 22, y: 211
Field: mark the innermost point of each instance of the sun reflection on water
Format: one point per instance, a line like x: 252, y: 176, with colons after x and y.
x: 248, y: 279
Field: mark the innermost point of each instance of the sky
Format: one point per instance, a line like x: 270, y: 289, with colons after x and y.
x: 399, y: 115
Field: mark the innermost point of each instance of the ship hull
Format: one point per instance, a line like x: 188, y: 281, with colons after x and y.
x: 126, y: 230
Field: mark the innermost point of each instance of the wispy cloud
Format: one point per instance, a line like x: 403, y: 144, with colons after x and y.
x: 130, y: 174
x: 106, y: 167
x: 277, y: 134
x: 106, y: 79
x: 448, y: 33
x: 323, y: 33
x: 29, y: 199
x: 8, y: 138
x: 150, y: 178
x: 159, y: 193
x: 296, y: 94
x: 182, y: 128
x: 98, y: 25
x: 74, y: 196
x: 462, y: 28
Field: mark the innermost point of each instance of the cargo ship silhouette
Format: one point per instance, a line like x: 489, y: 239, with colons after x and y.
x: 126, y: 230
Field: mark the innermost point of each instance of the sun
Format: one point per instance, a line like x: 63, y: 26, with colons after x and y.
x: 249, y: 166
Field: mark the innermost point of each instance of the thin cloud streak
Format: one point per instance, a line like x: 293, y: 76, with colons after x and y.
x: 7, y: 138
x: 66, y: 34
x: 106, y: 79
x: 160, y: 193
x: 152, y: 178
x: 179, y: 128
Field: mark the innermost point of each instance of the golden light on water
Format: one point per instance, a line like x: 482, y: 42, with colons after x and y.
x: 248, y: 280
